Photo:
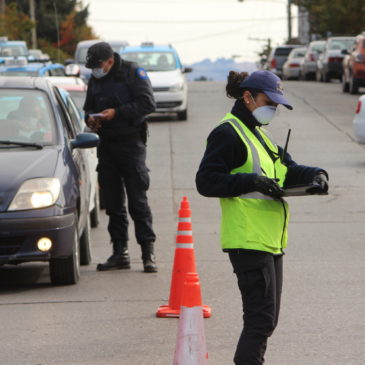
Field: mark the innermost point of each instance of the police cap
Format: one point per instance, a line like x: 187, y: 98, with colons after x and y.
x: 269, y: 84
x: 98, y: 53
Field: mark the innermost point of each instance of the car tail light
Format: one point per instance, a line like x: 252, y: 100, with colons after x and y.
x: 360, y: 58
x: 294, y: 65
x: 334, y: 59
x: 273, y: 63
x: 358, y: 108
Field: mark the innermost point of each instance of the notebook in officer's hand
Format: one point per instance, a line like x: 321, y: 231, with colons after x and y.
x: 300, y: 190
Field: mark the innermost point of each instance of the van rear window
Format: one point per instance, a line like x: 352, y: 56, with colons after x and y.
x: 283, y: 51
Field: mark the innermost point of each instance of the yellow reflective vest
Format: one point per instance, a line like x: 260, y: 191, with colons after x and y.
x: 255, y: 221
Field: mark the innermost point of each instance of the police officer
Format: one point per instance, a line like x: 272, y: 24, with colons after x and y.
x: 248, y: 171
x: 119, y: 96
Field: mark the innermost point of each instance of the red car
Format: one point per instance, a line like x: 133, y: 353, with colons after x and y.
x: 354, y: 66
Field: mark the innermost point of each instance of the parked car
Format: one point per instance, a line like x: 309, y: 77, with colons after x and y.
x: 74, y: 98
x: 291, y: 67
x: 278, y: 57
x: 308, y: 67
x: 354, y: 66
x: 45, y: 185
x: 12, y: 49
x: 359, y: 120
x: 36, y: 55
x: 167, y: 76
x: 81, y: 52
x: 16, y: 67
x: 329, y: 64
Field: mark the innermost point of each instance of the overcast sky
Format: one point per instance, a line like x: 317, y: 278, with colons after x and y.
x: 196, y: 28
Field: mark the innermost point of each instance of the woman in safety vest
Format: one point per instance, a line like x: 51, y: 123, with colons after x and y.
x: 248, y: 172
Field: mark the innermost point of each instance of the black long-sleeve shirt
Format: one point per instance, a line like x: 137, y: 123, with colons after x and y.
x: 127, y: 89
x: 226, y: 151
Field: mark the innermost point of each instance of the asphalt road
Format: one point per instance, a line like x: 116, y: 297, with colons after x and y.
x: 109, y: 318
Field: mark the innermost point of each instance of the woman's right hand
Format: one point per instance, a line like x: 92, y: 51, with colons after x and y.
x: 268, y: 186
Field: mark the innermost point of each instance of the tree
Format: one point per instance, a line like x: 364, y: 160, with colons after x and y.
x: 14, y: 24
x: 60, y: 25
x: 334, y: 17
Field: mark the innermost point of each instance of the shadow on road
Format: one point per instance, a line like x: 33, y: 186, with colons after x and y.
x: 23, y: 277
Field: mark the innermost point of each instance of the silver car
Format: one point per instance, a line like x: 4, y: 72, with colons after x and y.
x: 291, y: 68
x: 309, y: 65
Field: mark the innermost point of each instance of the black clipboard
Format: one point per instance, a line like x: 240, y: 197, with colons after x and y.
x: 300, y: 190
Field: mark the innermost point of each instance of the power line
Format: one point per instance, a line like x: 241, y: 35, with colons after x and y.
x: 148, y: 21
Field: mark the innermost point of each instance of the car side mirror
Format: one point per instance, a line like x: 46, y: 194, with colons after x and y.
x: 85, y: 140
x: 187, y: 69
x: 72, y: 70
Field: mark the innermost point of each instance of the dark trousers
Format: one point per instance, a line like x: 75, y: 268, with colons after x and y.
x: 122, y: 173
x: 260, y: 277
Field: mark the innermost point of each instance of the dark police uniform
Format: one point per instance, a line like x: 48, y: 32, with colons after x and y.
x: 122, y: 155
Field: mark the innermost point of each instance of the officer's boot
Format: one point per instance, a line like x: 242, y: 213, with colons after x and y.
x: 119, y: 260
x: 148, y: 258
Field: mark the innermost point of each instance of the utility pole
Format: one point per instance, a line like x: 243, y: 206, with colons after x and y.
x: 289, y: 21
x: 32, y: 17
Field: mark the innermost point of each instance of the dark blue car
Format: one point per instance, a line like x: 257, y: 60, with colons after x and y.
x: 44, y: 182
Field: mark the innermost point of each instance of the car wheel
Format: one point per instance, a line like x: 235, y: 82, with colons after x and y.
x: 182, y: 115
x: 66, y: 271
x: 85, y: 244
x: 95, y: 213
x: 326, y: 77
x: 345, y: 85
x: 353, y: 86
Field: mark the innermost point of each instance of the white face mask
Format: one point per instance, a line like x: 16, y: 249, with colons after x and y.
x: 98, y: 72
x: 265, y: 114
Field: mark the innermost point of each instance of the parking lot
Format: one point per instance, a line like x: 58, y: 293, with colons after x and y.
x: 109, y: 318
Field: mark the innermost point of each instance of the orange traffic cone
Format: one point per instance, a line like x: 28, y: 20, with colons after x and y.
x: 184, y: 262
x: 190, y: 340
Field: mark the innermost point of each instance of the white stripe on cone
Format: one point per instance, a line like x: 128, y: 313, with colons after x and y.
x: 190, y: 341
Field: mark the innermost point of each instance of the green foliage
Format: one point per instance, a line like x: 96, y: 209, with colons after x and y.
x: 14, y: 24
x: 335, y: 17
x: 60, y: 23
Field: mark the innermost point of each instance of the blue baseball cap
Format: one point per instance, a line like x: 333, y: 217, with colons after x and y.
x: 270, y: 84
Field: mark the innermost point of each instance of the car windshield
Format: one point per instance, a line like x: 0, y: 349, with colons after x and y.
x: 319, y: 47
x: 25, y: 116
x: 81, y: 55
x: 153, y: 61
x: 13, y: 51
x: 341, y: 44
x: 298, y: 53
x: 284, y: 51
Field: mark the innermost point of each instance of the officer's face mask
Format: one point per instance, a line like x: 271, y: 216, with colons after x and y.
x: 98, y: 72
x: 264, y: 114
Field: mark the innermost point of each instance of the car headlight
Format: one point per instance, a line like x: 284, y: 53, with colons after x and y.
x: 36, y: 193
x: 177, y: 87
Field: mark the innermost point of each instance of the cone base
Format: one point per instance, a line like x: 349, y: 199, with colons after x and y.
x: 164, y: 311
